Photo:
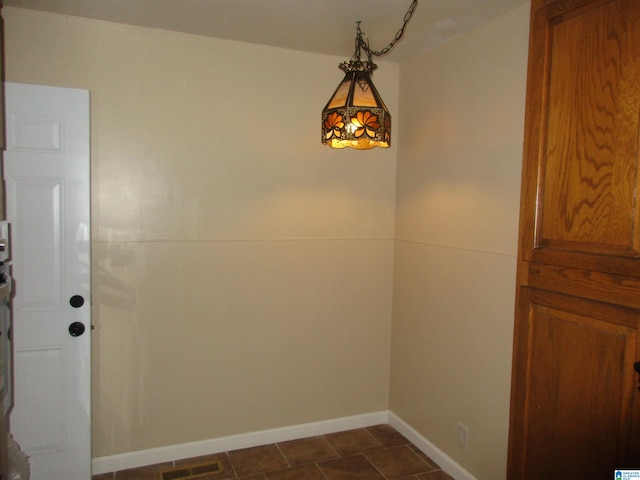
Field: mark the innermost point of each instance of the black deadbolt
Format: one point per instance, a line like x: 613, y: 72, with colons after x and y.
x: 76, y: 301
x: 76, y: 329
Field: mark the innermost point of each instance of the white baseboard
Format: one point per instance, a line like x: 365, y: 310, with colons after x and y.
x: 445, y: 462
x: 114, y: 463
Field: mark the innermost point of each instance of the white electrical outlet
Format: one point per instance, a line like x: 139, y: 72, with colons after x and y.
x: 463, y: 436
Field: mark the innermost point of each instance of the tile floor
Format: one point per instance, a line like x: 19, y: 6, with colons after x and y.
x: 372, y: 453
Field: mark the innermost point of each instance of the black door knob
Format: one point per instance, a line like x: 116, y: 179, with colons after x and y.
x: 76, y: 329
x: 636, y: 367
x: 76, y: 301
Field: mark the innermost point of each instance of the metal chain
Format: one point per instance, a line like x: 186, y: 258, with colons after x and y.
x: 361, y: 42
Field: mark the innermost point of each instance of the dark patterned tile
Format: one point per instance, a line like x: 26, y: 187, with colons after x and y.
x: 350, y: 468
x: 352, y: 442
x: 373, y: 453
x: 307, y: 450
x: 250, y: 461
x: 398, y: 462
x: 305, y: 472
x: 387, y: 435
x: 437, y: 475
x: 424, y: 456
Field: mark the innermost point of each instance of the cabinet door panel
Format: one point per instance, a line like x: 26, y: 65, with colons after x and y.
x: 589, y: 105
x: 575, y: 387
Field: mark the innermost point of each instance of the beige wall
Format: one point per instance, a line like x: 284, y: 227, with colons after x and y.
x: 242, y: 271
x: 462, y: 111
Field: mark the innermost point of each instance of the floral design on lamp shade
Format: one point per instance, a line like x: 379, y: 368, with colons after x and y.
x: 333, y: 124
x: 365, y: 122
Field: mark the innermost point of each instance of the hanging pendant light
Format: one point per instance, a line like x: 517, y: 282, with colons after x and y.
x: 356, y: 116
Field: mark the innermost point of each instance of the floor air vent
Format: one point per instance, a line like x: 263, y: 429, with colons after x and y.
x: 192, y: 471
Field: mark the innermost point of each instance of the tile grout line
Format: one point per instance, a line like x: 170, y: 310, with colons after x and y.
x: 324, y: 437
x: 233, y: 467
x: 377, y: 469
x: 283, y: 455
x: 317, y: 464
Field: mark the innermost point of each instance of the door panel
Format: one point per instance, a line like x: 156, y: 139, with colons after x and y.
x: 46, y: 429
x: 36, y: 206
x: 589, y: 162
x: 576, y: 386
x: 581, y: 138
x: 47, y: 179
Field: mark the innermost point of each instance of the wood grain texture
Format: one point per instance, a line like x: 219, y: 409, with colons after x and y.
x: 575, y: 408
x: 618, y: 289
x: 574, y: 392
x: 579, y: 399
x: 589, y: 164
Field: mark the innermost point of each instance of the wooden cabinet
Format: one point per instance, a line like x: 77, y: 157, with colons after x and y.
x: 575, y: 405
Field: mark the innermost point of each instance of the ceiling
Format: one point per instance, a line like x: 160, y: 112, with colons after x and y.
x: 320, y: 26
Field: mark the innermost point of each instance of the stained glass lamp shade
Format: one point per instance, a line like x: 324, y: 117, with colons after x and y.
x: 356, y: 116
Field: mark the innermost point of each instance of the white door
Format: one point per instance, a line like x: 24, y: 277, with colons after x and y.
x: 46, y: 169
